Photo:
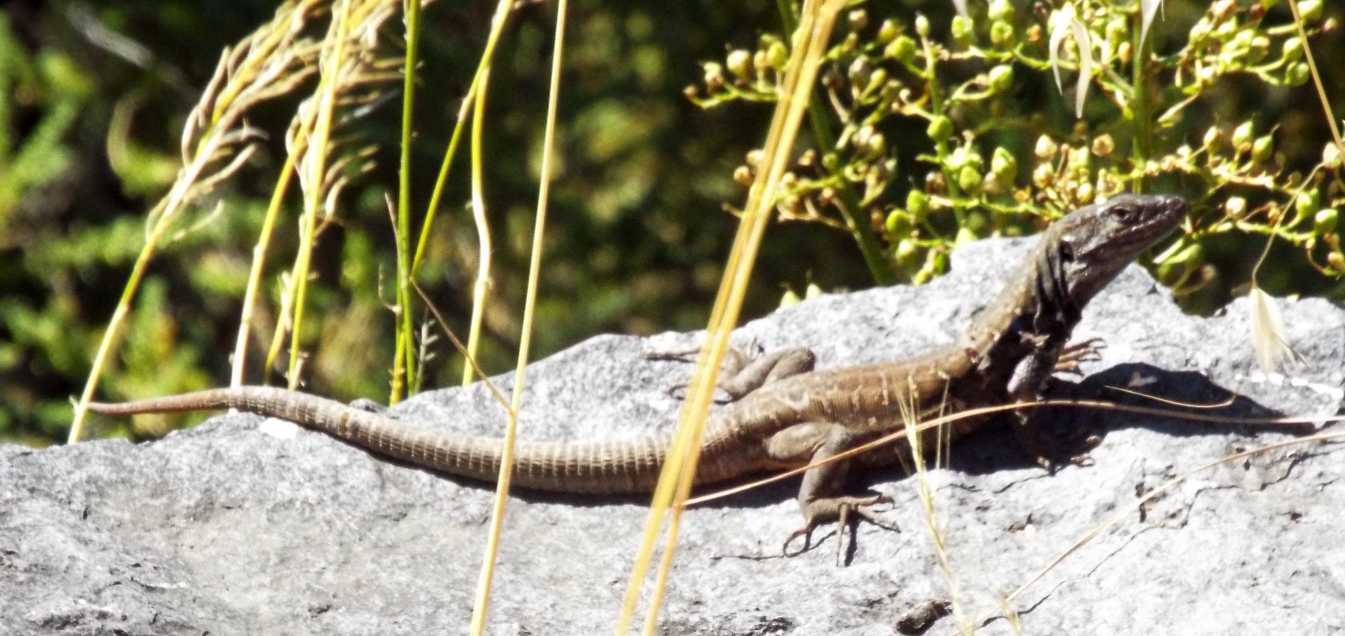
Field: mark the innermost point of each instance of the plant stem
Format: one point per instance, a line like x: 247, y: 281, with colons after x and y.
x: 404, y: 362
x: 880, y: 266
x: 1139, y: 95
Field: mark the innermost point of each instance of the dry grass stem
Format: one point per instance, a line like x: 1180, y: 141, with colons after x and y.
x: 479, y: 611
x: 817, y: 18
x: 215, y: 143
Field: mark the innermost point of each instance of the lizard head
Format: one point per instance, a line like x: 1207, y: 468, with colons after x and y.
x: 1093, y: 244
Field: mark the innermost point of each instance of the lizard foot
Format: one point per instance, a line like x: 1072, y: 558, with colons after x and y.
x: 838, y: 509
x: 1076, y: 353
x: 919, y: 618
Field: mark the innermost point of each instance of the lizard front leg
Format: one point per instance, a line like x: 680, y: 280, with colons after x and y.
x: 1076, y: 353
x: 819, y: 495
x: 1028, y: 383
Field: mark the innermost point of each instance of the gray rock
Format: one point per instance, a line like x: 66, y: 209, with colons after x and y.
x: 243, y: 525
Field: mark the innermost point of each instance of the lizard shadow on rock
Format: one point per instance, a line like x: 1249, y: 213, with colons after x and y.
x: 1189, y: 387
x: 995, y: 448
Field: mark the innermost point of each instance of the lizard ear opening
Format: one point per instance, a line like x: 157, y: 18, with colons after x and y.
x: 1066, y: 251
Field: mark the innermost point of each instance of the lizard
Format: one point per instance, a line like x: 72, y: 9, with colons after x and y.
x: 1008, y: 353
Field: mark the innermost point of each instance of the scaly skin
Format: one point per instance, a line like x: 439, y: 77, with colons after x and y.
x: 1006, y: 354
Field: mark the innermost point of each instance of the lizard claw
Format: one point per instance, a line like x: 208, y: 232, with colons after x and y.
x: 1074, y: 354
x: 836, y: 509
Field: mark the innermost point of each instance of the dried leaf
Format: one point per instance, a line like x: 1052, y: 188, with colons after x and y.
x: 1064, y: 23
x: 1059, y: 28
x: 1148, y: 9
x: 1085, y: 43
x: 1268, y: 339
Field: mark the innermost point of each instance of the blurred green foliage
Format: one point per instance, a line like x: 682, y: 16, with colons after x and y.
x: 94, y: 96
x: 955, y: 128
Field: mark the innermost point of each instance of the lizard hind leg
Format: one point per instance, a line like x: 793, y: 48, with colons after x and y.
x: 819, y: 496
x: 741, y: 374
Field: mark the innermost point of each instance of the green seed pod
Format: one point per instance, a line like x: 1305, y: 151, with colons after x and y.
x: 1043, y: 176
x: 888, y: 31
x: 977, y: 222
x: 1004, y: 166
x: 917, y: 205
x: 739, y: 62
x: 897, y: 223
x: 1307, y: 203
x: 876, y: 81
x: 861, y: 136
x: 1001, y: 78
x: 1258, y: 49
x: 907, y: 254
x: 1325, y: 220
x: 1235, y: 207
x: 990, y: 185
x: 1001, y: 33
x: 1311, y: 10
x: 1261, y: 148
x: 1187, y: 259
x: 1083, y: 193
x: 859, y: 71
x: 1298, y: 74
x: 876, y: 144
x: 714, y: 75
x: 1336, y: 260
x: 1292, y: 49
x: 1001, y: 10
x: 1331, y: 157
x: 1242, y: 136
x: 964, y: 156
x: 963, y: 29
x: 1192, y: 254
x: 1103, y: 145
x: 964, y: 236
x: 922, y: 25
x: 940, y: 128
x: 1242, y: 39
x: 901, y: 49
x: 1211, y: 137
x: 858, y: 19
x: 761, y: 61
x: 1080, y: 159
x: 1045, y: 149
x: 969, y: 179
x: 778, y: 55
x: 1117, y: 30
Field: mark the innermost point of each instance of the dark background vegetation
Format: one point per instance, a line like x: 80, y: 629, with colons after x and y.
x: 95, y: 95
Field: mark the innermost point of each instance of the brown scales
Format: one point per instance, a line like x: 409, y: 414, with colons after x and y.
x: 1008, y: 353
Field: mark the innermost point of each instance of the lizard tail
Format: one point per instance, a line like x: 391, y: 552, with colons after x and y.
x: 600, y: 467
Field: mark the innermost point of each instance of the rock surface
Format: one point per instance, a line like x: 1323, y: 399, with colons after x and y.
x: 246, y: 525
